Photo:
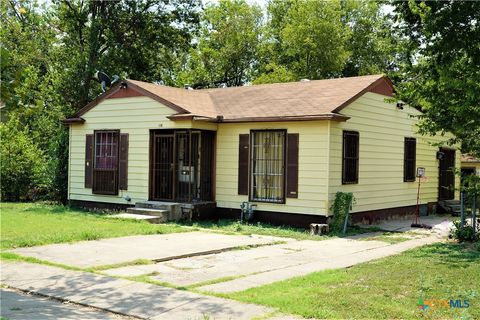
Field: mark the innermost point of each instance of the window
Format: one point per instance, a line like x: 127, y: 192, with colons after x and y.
x: 105, y: 169
x: 350, y: 157
x: 267, y: 166
x: 409, y: 158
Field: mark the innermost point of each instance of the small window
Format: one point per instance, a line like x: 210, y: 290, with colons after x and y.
x: 409, y: 159
x: 105, y: 169
x: 350, y: 157
x: 268, y: 166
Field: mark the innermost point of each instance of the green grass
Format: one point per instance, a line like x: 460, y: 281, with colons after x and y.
x: 389, y: 237
x: 32, y: 224
x: 386, y: 288
x: 235, y: 227
x: 9, y: 256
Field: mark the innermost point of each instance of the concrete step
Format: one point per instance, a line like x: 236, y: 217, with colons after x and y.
x: 173, y: 208
x: 162, y: 214
x: 454, y: 207
x: 143, y: 217
x: 450, y: 202
x: 157, y: 205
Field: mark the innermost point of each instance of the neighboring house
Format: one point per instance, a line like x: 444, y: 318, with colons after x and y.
x: 470, y: 165
x: 286, y: 147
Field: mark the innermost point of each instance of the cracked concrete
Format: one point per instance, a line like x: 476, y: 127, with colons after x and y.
x: 121, y: 296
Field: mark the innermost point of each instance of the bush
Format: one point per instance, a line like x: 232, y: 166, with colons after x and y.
x: 23, y: 166
x: 463, y: 234
x: 341, y: 207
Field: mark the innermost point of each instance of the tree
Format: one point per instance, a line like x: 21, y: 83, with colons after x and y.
x: 442, y: 75
x: 371, y: 45
x: 273, y: 73
x: 313, y: 39
x: 50, y: 54
x: 227, y: 48
x: 137, y: 39
x: 23, y: 169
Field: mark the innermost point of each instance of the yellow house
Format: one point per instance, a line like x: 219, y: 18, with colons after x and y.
x: 470, y: 165
x: 287, y: 148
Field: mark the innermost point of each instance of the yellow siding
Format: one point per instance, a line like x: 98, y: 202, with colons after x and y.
x: 313, y: 158
x: 382, y: 129
x: 135, y: 116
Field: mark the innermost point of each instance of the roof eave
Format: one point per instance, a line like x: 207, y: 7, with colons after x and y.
x: 192, y: 117
x: 333, y: 117
x: 72, y: 120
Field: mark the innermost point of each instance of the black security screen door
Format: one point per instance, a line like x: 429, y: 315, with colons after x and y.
x: 181, y: 165
x: 446, y: 177
x: 162, y: 167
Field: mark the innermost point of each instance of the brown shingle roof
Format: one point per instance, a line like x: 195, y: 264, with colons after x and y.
x: 316, y: 99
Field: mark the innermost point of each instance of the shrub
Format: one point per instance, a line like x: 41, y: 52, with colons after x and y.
x: 23, y: 167
x: 463, y: 234
x: 340, y: 207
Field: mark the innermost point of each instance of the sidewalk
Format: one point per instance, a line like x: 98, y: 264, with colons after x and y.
x: 332, y: 257
x: 16, y: 306
x: 125, y: 297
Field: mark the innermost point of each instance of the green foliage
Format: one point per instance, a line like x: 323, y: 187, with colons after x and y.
x: 341, y: 207
x: 322, y: 39
x: 275, y: 74
x: 22, y: 167
x: 464, y: 234
x: 50, y: 53
x: 227, y: 46
x: 442, y: 74
x: 372, y: 47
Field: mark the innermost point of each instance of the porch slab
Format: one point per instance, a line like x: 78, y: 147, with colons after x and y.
x: 161, y: 247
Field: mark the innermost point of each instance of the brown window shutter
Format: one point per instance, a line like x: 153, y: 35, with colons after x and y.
x: 292, y: 165
x: 243, y: 163
x: 123, y: 162
x: 89, y: 161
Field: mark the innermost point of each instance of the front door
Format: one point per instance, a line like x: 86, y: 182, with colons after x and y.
x: 446, y: 175
x: 162, y: 167
x: 181, y: 165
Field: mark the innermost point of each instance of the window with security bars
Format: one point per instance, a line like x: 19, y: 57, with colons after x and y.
x: 350, y: 157
x: 105, y: 170
x: 409, y: 159
x: 267, y: 181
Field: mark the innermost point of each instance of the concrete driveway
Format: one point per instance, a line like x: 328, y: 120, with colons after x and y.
x: 158, y: 247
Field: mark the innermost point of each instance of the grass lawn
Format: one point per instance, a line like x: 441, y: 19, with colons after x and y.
x: 32, y: 224
x: 386, y: 288
x: 235, y: 227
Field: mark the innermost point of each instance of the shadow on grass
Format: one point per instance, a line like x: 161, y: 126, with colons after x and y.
x: 452, y: 254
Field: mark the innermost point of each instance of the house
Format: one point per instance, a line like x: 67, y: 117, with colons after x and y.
x: 470, y: 165
x: 287, y: 147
